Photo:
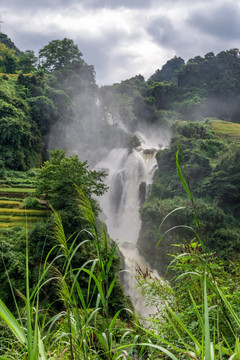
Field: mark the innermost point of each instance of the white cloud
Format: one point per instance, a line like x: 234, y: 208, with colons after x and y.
x: 125, y: 38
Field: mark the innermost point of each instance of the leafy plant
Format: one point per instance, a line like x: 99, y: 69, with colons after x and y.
x: 26, y: 331
x: 197, y: 320
x: 31, y: 202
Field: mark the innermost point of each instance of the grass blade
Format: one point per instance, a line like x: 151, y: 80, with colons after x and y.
x: 12, y: 323
x: 41, y: 347
x: 206, y: 324
x: 181, y: 176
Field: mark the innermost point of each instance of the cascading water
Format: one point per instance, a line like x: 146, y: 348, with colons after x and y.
x: 130, y: 175
x: 128, y: 172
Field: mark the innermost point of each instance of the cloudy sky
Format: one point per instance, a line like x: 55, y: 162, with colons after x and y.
x: 123, y: 38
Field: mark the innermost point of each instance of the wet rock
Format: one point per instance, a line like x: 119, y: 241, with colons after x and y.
x: 142, y: 192
x: 149, y: 151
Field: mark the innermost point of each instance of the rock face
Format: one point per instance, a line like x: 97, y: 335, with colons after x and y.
x: 151, y: 151
x: 117, y: 190
x: 142, y: 192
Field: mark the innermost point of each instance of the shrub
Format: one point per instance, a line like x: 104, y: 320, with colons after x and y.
x: 31, y: 202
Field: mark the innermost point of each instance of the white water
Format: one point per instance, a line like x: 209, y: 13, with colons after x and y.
x: 127, y: 170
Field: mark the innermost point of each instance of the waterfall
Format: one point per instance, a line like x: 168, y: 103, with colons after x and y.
x: 130, y: 171
x: 129, y: 177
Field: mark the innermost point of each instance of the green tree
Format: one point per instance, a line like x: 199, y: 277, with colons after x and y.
x: 225, y: 181
x: 58, y: 177
x: 59, y: 53
x: 20, y: 140
x: 20, y: 143
x: 27, y: 61
x: 168, y: 71
x: 43, y: 112
x: 8, y: 60
x: 4, y: 39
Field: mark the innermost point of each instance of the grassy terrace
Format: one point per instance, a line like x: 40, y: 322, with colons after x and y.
x: 23, y: 212
x: 10, y: 204
x: 16, y: 193
x: 227, y: 129
x: 12, y: 213
x: 12, y: 77
x: 16, y: 190
x: 6, y: 218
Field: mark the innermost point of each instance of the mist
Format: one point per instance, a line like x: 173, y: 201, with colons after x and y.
x: 95, y: 129
x: 105, y: 131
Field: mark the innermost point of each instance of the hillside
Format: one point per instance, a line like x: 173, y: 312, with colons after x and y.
x: 18, y: 205
x: 4, y: 39
x: 209, y: 160
x: 226, y: 129
x: 60, y: 260
x: 59, y: 105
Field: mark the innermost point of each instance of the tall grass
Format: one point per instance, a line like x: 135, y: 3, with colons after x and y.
x: 85, y: 329
x: 208, y: 340
x: 25, y: 329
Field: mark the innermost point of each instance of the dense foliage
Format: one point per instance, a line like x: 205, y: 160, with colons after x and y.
x: 168, y: 71
x: 20, y: 140
x: 57, y: 181
x: 71, y: 250
x: 207, y: 165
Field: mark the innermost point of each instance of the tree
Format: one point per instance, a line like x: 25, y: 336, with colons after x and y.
x: 27, y: 61
x: 226, y: 180
x: 58, y: 177
x: 168, y: 71
x: 44, y: 112
x: 20, y: 140
x: 8, y: 60
x: 4, y: 39
x: 59, y: 53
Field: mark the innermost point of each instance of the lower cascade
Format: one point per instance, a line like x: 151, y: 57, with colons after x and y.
x: 129, y: 179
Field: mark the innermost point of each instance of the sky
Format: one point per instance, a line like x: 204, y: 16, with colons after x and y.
x: 124, y: 38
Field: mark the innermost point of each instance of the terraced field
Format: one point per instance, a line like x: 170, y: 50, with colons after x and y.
x: 12, y: 193
x: 12, y: 211
x: 13, y: 215
x: 226, y: 129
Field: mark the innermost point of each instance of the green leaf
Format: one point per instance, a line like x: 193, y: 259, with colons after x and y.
x: 180, y: 174
x: 228, y: 306
x: 160, y: 226
x: 206, y: 324
x: 41, y: 347
x: 184, y: 227
x: 10, y: 320
x: 184, y: 328
x: 157, y: 347
x: 111, y: 286
x: 100, y: 290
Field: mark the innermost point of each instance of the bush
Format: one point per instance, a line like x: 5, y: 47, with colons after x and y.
x: 31, y: 202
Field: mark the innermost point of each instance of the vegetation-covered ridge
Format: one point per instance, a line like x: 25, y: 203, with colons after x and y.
x: 210, y: 153
x: 59, y: 289
x: 198, y: 315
